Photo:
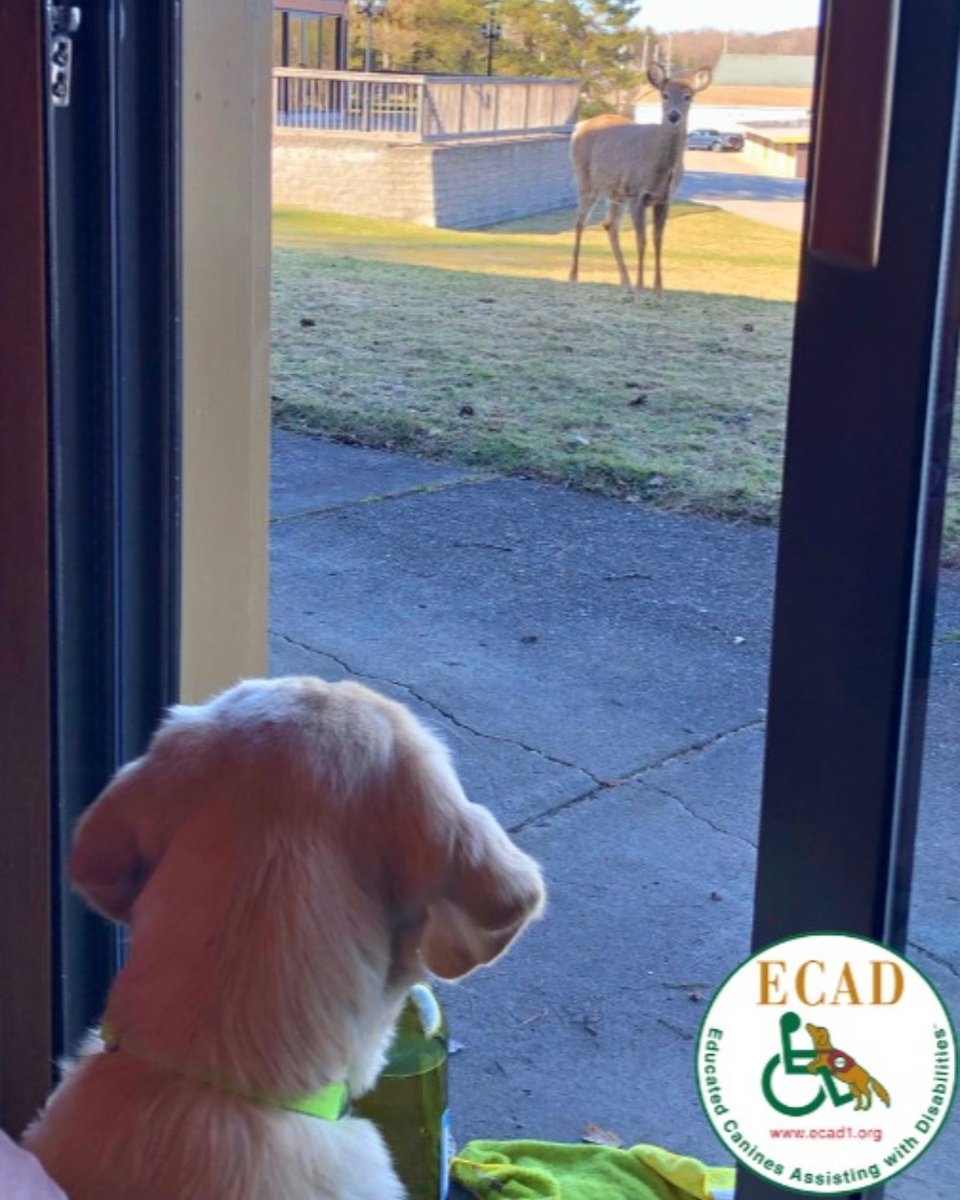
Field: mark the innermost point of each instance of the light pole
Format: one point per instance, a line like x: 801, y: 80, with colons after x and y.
x: 369, y: 9
x: 491, y: 30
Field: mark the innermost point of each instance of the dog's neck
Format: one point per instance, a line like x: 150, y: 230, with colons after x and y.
x: 260, y: 963
x: 330, y: 1104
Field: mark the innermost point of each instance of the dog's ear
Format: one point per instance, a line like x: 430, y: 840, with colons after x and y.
x: 121, y: 837
x: 452, y: 861
x: 492, y: 891
x: 108, y: 865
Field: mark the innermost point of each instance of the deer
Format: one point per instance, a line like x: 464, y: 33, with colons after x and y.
x: 634, y: 166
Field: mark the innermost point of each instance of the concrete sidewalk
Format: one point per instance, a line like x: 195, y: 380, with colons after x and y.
x: 599, y: 670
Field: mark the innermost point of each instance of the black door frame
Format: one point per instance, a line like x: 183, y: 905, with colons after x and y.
x: 90, y: 487
x: 114, y: 400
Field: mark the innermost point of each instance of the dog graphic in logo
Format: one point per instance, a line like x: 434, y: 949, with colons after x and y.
x: 841, y: 1066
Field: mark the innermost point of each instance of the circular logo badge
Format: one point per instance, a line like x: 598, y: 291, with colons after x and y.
x: 826, y: 1063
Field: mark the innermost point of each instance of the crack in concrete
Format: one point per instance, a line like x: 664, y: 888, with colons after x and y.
x: 635, y: 775
x: 698, y: 816
x: 937, y: 958
x: 685, y: 1034
x: 697, y: 747
x: 555, y: 809
x: 420, y: 489
x: 445, y: 713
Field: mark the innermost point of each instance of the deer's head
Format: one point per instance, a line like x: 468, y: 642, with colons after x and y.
x: 677, y: 92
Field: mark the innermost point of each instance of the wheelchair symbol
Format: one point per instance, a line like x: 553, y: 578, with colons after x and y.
x: 795, y: 1062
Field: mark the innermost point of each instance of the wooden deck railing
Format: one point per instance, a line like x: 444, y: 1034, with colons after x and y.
x: 421, y: 107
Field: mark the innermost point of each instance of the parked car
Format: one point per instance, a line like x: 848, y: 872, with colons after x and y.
x: 717, y: 140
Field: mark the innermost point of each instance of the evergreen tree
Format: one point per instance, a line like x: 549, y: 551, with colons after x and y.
x: 594, y: 41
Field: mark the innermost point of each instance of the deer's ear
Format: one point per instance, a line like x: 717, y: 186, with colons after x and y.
x: 701, y: 79
x: 657, y: 76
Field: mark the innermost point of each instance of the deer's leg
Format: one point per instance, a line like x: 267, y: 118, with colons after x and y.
x: 659, y: 222
x: 587, y: 201
x: 638, y: 211
x: 612, y: 226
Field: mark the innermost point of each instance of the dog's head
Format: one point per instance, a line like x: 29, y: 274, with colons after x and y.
x: 821, y: 1036
x: 325, y: 807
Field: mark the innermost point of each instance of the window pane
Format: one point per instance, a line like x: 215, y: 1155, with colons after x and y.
x: 295, y: 51
x: 278, y: 60
x: 311, y: 41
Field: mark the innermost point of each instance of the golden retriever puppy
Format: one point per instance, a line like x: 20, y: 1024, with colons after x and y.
x: 289, y: 858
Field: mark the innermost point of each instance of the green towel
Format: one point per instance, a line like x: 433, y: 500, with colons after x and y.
x: 559, y: 1171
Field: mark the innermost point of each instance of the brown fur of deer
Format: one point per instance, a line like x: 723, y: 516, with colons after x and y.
x: 634, y: 167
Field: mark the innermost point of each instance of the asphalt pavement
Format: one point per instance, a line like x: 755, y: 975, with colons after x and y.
x: 599, y: 670
x: 733, y: 183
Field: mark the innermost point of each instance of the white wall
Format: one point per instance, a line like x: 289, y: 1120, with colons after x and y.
x: 719, y: 116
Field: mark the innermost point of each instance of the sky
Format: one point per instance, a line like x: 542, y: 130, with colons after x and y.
x: 757, y: 16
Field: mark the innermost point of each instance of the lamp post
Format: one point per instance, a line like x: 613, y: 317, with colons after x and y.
x: 370, y: 9
x: 491, y: 31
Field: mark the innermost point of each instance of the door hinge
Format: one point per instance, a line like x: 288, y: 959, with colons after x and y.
x: 63, y: 21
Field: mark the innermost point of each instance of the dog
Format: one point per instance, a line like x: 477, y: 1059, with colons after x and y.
x: 289, y: 858
x: 841, y: 1066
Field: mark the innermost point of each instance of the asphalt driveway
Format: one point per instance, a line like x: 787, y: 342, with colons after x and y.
x: 731, y: 182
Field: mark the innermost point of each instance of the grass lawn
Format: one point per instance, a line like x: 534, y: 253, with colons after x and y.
x: 471, y: 346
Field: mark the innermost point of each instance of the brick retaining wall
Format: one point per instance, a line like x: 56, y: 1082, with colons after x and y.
x: 461, y: 185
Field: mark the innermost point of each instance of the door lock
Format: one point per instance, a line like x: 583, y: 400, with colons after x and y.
x: 63, y: 23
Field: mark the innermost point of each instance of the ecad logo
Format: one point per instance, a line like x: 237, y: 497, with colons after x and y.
x: 803, y: 1110
x: 823, y: 1060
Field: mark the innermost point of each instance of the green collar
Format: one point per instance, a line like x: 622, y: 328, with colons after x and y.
x: 328, y: 1105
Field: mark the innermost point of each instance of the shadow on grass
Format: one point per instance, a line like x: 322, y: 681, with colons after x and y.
x: 562, y: 220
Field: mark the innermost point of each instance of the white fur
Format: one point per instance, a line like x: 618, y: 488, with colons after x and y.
x: 289, y: 858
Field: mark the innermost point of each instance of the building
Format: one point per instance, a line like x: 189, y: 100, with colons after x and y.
x: 765, y: 70
x: 310, y: 33
x: 449, y: 150
x: 778, y: 147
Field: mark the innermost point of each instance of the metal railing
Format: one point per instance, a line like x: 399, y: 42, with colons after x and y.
x: 421, y: 107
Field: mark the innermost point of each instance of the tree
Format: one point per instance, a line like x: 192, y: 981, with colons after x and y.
x: 591, y: 40
x: 433, y: 36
